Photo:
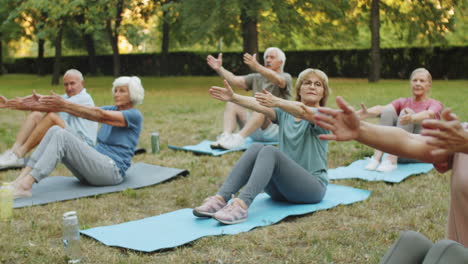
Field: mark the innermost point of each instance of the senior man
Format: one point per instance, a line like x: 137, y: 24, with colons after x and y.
x: 269, y: 77
x: 36, y: 124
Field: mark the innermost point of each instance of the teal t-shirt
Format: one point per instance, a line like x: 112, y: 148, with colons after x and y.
x: 299, y: 141
x: 119, y: 143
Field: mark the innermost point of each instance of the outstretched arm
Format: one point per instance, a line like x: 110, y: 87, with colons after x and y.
x: 416, y: 118
x: 27, y: 103
x: 374, y: 111
x: 345, y: 125
x: 56, y: 103
x: 226, y: 94
x: 274, y: 77
x: 217, y: 65
x: 295, y: 108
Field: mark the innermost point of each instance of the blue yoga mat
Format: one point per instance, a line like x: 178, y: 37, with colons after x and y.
x: 180, y: 227
x: 204, y: 147
x: 356, y: 170
x: 61, y: 188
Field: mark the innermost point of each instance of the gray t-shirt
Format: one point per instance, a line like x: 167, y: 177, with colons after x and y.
x: 256, y: 82
x: 299, y: 141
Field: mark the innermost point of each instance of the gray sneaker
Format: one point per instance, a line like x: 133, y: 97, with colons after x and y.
x: 233, y: 213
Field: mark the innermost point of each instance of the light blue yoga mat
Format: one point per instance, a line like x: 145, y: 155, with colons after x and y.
x: 180, y: 227
x: 356, y: 170
x: 204, y: 147
x: 61, y: 188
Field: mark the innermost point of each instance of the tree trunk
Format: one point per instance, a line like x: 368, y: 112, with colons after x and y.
x: 115, y: 50
x: 89, y: 43
x: 1, y: 57
x: 58, y: 56
x: 40, y: 57
x: 375, y: 65
x: 249, y: 33
x: 164, y: 66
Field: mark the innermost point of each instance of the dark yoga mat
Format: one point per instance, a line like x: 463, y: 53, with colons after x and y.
x: 61, y: 188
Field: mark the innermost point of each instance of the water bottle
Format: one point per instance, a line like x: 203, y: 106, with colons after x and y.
x: 6, y: 202
x: 155, y: 142
x: 71, y: 237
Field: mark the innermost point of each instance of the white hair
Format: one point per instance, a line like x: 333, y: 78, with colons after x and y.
x: 423, y: 70
x: 74, y: 72
x: 137, y: 93
x: 279, y: 52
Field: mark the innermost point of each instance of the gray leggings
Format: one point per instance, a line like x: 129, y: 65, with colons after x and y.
x: 266, y: 168
x: 389, y: 117
x: 414, y: 248
x: 86, y: 163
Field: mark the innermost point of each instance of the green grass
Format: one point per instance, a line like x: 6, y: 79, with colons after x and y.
x: 182, y: 112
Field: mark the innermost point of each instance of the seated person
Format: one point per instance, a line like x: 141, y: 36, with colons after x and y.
x: 296, y: 172
x: 442, y: 142
x: 104, y: 164
x: 407, y: 113
x: 37, y: 123
x: 270, y: 77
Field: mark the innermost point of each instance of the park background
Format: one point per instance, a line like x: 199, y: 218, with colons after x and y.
x: 166, y: 42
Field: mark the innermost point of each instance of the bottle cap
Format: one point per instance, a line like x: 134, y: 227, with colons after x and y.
x: 69, y: 214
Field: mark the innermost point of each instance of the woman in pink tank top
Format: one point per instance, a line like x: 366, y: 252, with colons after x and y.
x: 406, y: 113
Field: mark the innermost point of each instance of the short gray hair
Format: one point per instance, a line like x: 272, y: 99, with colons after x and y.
x: 74, y: 72
x: 280, y: 53
x: 137, y: 93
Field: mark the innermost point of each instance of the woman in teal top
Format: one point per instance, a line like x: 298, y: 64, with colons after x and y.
x: 296, y: 172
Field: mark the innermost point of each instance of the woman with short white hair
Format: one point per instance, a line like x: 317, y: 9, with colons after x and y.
x: 101, y: 165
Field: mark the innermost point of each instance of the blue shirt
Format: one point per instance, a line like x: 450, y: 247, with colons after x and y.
x: 83, y: 128
x: 299, y: 141
x: 119, y: 143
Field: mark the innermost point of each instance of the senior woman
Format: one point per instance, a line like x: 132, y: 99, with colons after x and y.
x: 101, y: 165
x: 406, y: 113
x: 296, y: 172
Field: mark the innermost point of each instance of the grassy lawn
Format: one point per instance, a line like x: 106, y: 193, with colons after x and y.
x: 181, y: 110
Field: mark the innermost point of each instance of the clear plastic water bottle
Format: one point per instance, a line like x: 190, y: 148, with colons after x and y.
x: 6, y: 202
x: 71, y: 237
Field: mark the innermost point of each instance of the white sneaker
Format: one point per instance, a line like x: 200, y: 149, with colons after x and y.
x: 9, y: 159
x: 234, y: 141
x: 219, y: 138
x: 373, y: 164
x: 386, y: 166
x: 4, y: 154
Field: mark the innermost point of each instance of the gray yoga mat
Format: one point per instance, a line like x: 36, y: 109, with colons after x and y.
x: 61, y: 188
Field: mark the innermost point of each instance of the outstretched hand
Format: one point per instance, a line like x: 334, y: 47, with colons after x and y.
x: 363, y: 113
x: 447, y: 135
x: 251, y: 61
x: 344, y: 123
x: 53, y: 102
x: 215, y: 63
x: 222, y: 93
x: 3, y: 101
x: 267, y: 99
x: 407, y: 118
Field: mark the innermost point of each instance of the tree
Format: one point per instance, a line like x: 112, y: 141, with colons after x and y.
x: 374, y: 71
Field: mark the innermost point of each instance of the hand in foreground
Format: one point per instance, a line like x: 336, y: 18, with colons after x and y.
x: 344, y: 124
x: 222, y: 93
x: 215, y: 63
x: 447, y: 135
x: 251, y: 61
x: 407, y: 118
x: 265, y: 98
x: 53, y: 102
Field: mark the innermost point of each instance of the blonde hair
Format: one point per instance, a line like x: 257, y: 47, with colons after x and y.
x: 323, y: 78
x: 137, y: 93
x: 423, y: 70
